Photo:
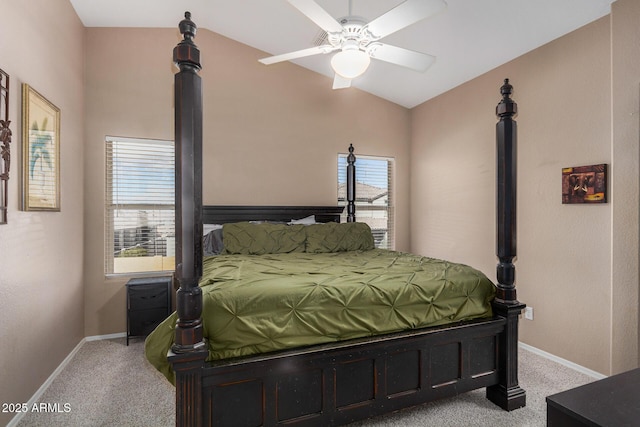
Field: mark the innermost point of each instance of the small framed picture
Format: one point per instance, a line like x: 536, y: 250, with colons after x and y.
x: 584, y: 184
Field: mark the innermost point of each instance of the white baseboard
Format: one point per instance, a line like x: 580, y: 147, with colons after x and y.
x: 106, y: 337
x: 15, y: 420
x: 560, y: 360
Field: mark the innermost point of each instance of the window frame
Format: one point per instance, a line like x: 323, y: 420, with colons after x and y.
x: 111, y: 206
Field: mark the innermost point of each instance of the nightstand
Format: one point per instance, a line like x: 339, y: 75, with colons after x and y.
x: 148, y: 304
x: 612, y: 401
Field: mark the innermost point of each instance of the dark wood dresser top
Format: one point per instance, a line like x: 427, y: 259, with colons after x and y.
x: 612, y: 401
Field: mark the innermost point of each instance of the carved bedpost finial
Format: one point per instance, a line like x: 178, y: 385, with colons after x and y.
x: 187, y: 27
x: 507, y: 106
x: 351, y: 185
x: 506, y: 89
x: 186, y: 54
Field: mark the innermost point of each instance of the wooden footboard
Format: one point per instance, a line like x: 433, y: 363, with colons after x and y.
x: 344, y: 382
x: 339, y: 383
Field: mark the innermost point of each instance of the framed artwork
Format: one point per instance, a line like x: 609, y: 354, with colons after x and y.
x: 40, y: 152
x: 584, y: 184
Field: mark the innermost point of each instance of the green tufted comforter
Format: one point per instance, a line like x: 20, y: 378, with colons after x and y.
x: 261, y: 303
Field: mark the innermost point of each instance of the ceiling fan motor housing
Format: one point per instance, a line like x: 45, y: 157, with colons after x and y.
x: 353, y: 30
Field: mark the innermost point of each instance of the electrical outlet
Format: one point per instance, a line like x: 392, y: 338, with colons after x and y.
x: 528, y: 313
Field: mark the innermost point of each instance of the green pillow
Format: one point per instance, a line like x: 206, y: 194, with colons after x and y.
x: 258, y: 239
x: 336, y: 237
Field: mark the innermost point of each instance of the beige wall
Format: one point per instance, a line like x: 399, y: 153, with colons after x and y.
x: 128, y: 92
x: 41, y: 287
x: 271, y: 134
x: 577, y: 265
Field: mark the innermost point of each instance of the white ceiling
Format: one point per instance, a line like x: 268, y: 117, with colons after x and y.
x: 469, y: 38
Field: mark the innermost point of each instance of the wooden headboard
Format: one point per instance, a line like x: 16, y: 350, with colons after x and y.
x: 225, y: 214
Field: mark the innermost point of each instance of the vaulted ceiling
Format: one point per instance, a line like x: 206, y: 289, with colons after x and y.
x: 468, y: 38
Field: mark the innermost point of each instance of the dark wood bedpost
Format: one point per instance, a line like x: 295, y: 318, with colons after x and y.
x: 507, y: 394
x: 351, y: 185
x: 189, y: 351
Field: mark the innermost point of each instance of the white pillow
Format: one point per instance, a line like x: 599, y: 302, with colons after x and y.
x: 305, y: 221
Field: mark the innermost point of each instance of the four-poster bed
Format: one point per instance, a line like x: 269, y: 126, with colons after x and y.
x: 338, y: 382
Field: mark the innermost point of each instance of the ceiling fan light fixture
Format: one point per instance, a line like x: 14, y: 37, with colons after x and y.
x: 350, y: 63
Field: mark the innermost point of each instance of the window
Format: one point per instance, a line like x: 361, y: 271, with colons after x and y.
x: 139, y: 206
x: 374, y: 196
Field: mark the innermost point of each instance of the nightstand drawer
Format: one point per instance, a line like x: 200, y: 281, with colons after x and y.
x: 143, y: 322
x: 148, y: 296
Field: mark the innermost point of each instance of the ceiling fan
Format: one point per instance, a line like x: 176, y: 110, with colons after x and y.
x: 357, y: 41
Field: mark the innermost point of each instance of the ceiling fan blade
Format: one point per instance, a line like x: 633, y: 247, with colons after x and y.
x: 318, y: 15
x: 417, y: 61
x: 297, y: 54
x: 403, y: 15
x: 340, y: 82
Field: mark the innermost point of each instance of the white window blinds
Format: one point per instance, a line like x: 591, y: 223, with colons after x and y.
x: 374, y: 195
x: 139, y: 206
